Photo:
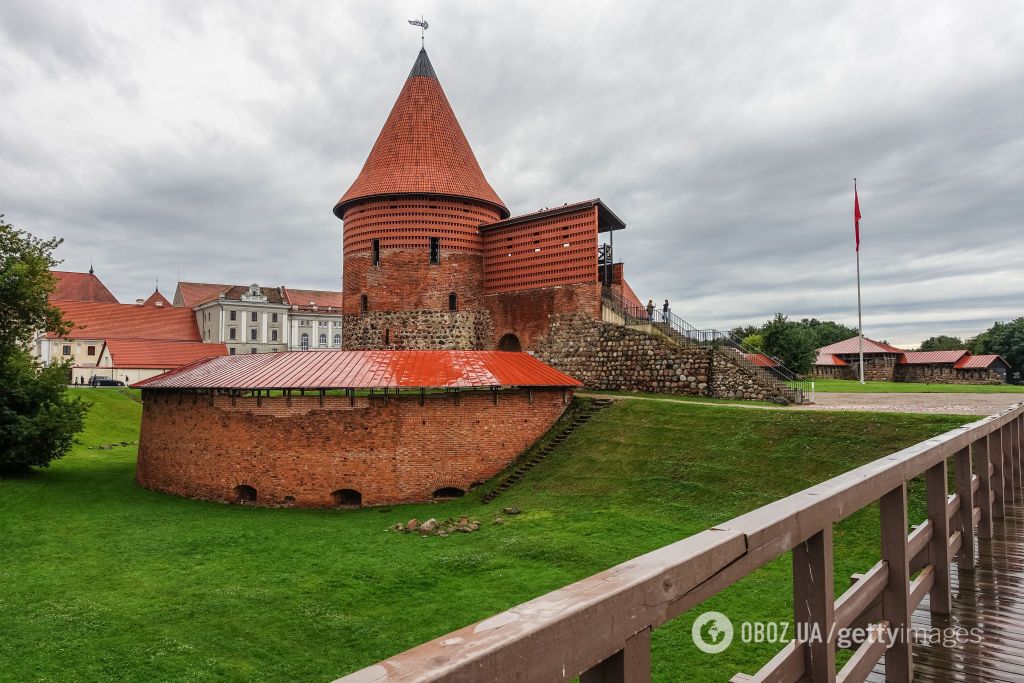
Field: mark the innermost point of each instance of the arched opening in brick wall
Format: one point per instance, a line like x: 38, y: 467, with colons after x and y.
x: 453, y: 302
x: 347, y: 498
x: 245, y: 494
x: 448, y: 492
x: 509, y: 342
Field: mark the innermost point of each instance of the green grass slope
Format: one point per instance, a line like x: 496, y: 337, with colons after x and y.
x: 103, y: 580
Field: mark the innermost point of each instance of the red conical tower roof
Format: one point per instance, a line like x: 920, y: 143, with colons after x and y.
x: 421, y: 149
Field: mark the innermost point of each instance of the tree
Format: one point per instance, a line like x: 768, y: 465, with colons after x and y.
x: 754, y: 342
x: 793, y: 343
x: 1004, y: 339
x: 943, y: 342
x: 38, y: 420
x: 828, y: 331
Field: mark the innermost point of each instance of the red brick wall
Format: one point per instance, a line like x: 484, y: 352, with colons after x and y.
x: 527, y: 314
x: 545, y: 252
x: 405, y: 280
x: 394, y: 453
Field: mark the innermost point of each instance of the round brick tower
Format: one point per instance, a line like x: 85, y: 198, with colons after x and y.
x: 413, y: 254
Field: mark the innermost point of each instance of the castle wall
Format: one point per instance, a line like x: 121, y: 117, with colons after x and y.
x: 934, y: 373
x: 297, y: 452
x: 526, y: 314
x: 419, y: 330
x: 609, y: 356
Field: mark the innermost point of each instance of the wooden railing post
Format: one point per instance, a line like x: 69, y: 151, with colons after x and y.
x: 998, y: 483
x: 813, y: 605
x: 1017, y: 440
x: 965, y: 518
x: 631, y: 664
x: 896, y: 595
x: 979, y: 451
x: 938, y: 547
x: 1012, y: 464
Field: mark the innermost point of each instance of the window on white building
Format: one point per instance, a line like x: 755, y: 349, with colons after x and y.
x: 66, y: 350
x: 255, y: 316
x: 273, y: 335
x: 323, y: 340
x: 252, y: 334
x: 337, y: 340
x: 304, y: 342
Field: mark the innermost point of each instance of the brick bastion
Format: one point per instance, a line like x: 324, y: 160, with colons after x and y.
x: 343, y: 428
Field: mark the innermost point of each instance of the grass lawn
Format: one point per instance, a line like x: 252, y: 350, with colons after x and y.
x: 103, y: 580
x: 853, y: 386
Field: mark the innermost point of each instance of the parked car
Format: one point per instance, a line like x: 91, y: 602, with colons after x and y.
x: 105, y: 382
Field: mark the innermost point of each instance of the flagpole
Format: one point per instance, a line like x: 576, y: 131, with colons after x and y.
x: 860, y: 319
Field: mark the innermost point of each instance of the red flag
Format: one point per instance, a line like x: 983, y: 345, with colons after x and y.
x: 856, y: 215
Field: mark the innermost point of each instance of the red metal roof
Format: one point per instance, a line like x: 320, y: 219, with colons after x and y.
x: 421, y: 149
x: 850, y: 346
x: 980, y: 361
x: 91, y: 320
x: 606, y: 218
x: 829, y: 359
x: 929, y: 357
x: 364, y: 370
x: 80, y: 287
x: 148, y: 353
x: 761, y: 360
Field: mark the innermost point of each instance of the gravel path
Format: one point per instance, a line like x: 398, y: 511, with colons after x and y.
x: 958, y: 404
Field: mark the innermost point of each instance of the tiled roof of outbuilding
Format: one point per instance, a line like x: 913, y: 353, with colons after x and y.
x: 80, y: 287
x: 829, y: 359
x: 148, y: 353
x: 364, y: 370
x: 980, y: 361
x: 193, y: 293
x: 421, y: 149
x: 851, y: 346
x: 303, y: 297
x: 929, y: 357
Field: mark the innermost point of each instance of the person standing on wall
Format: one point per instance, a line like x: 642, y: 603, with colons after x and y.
x: 650, y: 309
x: 665, y: 310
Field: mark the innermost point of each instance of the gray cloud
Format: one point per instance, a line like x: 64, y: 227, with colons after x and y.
x: 216, y: 139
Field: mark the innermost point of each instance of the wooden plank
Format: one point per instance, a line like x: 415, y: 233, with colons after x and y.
x: 921, y: 586
x: 997, y: 457
x: 867, y: 655
x: 965, y: 519
x: 856, y: 599
x: 631, y: 664
x: 980, y: 453
x: 785, y: 667
x: 814, y: 604
x: 896, y: 595
x: 936, y: 480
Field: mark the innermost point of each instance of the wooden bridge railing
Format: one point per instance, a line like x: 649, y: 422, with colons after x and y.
x: 599, y: 628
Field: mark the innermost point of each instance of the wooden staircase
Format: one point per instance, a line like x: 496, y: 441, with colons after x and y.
x: 528, y: 462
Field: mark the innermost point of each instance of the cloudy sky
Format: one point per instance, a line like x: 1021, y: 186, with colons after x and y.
x: 213, y: 138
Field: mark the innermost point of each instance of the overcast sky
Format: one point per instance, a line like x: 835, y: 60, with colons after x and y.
x: 214, y: 138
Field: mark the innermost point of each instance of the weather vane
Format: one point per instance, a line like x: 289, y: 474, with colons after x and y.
x: 422, y: 23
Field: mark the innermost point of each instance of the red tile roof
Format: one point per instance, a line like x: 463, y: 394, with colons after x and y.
x: 147, y: 353
x: 190, y: 294
x: 606, y: 218
x: 421, y: 149
x: 850, y: 345
x: 980, y: 361
x: 829, y: 359
x: 303, y: 297
x: 80, y: 287
x: 128, y: 321
x: 156, y: 298
x: 929, y: 357
x: 365, y: 370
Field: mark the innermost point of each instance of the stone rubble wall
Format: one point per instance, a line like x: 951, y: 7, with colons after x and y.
x: 945, y: 374
x: 418, y: 330
x: 611, y: 357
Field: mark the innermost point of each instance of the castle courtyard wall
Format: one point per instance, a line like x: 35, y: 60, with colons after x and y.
x: 296, y: 452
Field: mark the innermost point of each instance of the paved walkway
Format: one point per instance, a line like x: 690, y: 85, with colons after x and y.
x: 948, y: 404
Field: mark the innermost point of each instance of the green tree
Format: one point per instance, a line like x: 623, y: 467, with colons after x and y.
x: 1005, y: 339
x: 943, y: 342
x: 38, y: 420
x: 754, y: 342
x: 793, y: 343
x: 828, y: 331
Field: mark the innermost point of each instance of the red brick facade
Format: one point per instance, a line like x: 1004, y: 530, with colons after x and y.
x: 527, y: 314
x: 297, y: 452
